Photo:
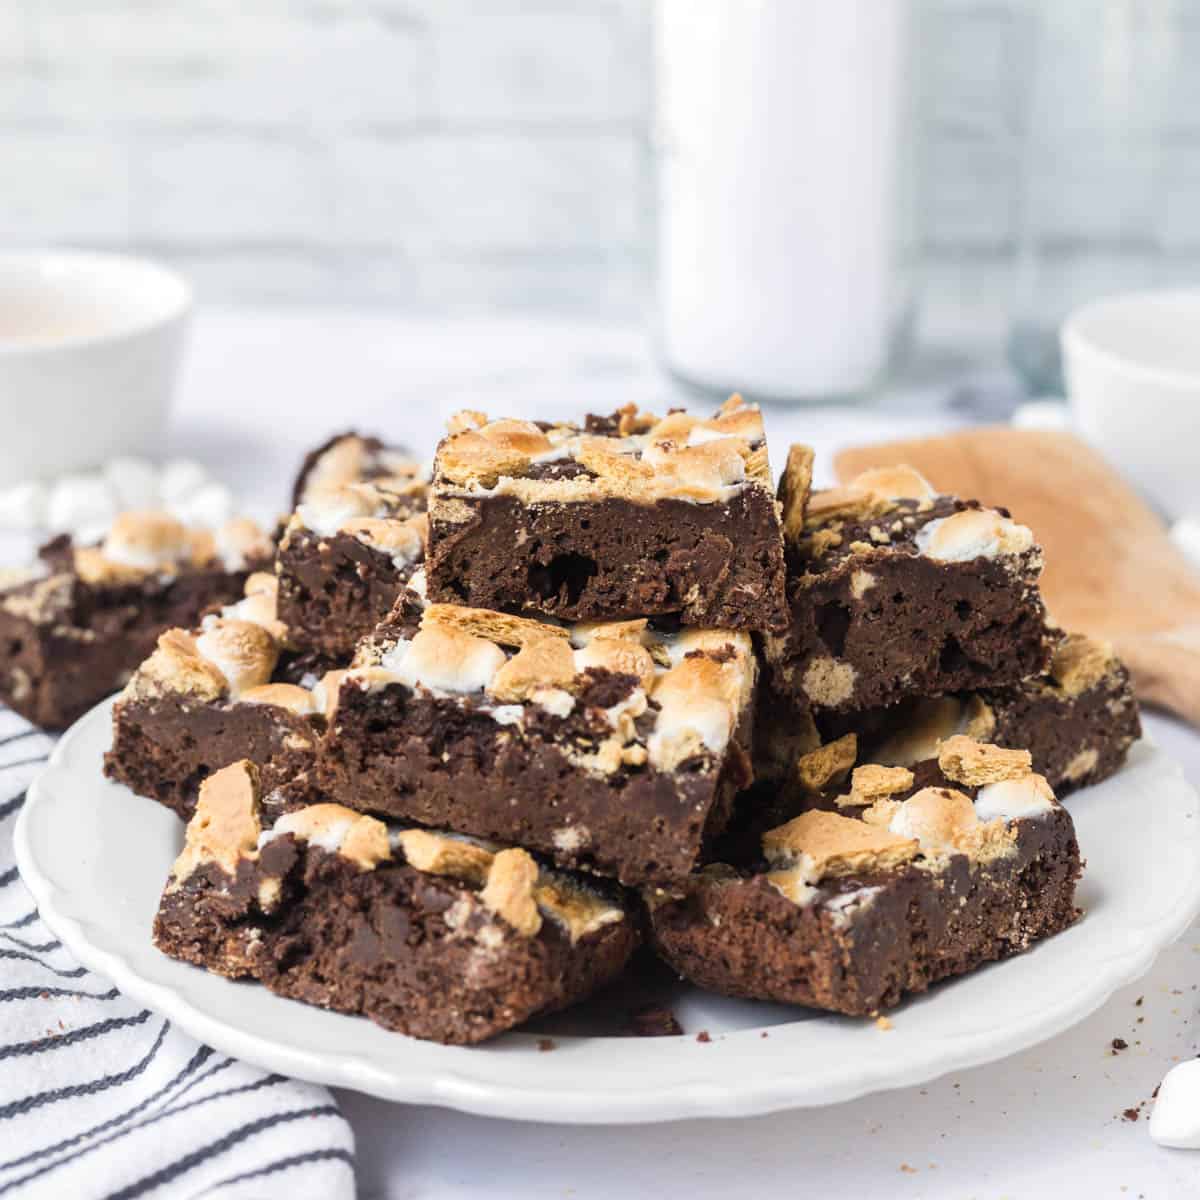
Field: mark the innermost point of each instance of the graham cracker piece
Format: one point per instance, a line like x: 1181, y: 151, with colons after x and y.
x: 225, y: 826
x: 608, y: 463
x: 436, y: 854
x: 976, y: 763
x: 827, y: 764
x: 509, y: 891
x: 545, y: 663
x: 795, y: 488
x: 471, y: 458
x: 830, y: 844
x: 618, y: 655
x: 501, y: 628
x: 758, y: 466
x: 633, y: 630
x: 873, y: 782
x: 366, y: 843
x: 1081, y: 662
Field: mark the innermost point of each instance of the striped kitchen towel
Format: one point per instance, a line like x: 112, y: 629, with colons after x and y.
x: 101, y: 1098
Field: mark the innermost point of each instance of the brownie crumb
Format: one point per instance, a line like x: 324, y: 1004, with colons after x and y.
x: 907, y: 1169
x: 653, y: 1021
x: 1119, y: 1044
x: 1138, y: 1002
x: 764, y: 1034
x: 883, y: 1023
x: 703, y: 1036
x: 1154, y: 1094
x: 1131, y: 1114
x: 547, y: 1044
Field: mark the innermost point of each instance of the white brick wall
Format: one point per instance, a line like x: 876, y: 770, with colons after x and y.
x: 467, y: 154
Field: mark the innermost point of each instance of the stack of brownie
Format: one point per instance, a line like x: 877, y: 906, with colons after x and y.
x: 478, y: 737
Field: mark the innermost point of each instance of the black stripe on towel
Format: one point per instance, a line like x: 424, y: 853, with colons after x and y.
x: 202, y: 1055
x: 16, y: 737
x: 282, y: 1164
x: 138, y: 1126
x: 10, y: 806
x: 19, y: 1107
x: 24, y: 762
x: 21, y: 922
x: 204, y: 1154
x: 50, y: 993
x: 72, y: 1037
x: 39, y: 948
x: 75, y: 973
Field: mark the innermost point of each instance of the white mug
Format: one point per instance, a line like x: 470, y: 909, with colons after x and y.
x: 90, y: 346
x: 1132, y: 366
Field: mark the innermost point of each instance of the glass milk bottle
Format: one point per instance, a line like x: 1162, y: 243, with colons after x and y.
x: 782, y: 206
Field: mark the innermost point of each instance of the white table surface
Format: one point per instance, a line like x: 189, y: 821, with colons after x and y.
x: 260, y: 388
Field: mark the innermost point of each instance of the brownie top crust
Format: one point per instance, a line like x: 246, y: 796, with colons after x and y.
x: 228, y: 831
x: 630, y: 455
x: 386, y: 515
x: 896, y: 510
x: 975, y: 804
x: 354, y: 458
x: 617, y: 694
x: 231, y: 657
x: 147, y: 550
x: 1079, y: 663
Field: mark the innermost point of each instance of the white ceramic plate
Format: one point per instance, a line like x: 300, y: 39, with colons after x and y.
x: 95, y: 857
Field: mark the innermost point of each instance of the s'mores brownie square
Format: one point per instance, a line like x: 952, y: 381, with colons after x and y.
x: 616, y: 747
x: 75, y: 624
x: 625, y: 516
x: 884, y: 889
x: 226, y: 690
x: 425, y: 933
x: 896, y: 591
x: 353, y: 458
x: 351, y: 548
x: 1078, y: 720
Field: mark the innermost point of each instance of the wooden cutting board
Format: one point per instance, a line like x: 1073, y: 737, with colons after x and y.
x: 1111, y: 571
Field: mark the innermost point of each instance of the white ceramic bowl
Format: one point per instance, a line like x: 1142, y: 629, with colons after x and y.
x: 1132, y: 366
x: 90, y: 346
